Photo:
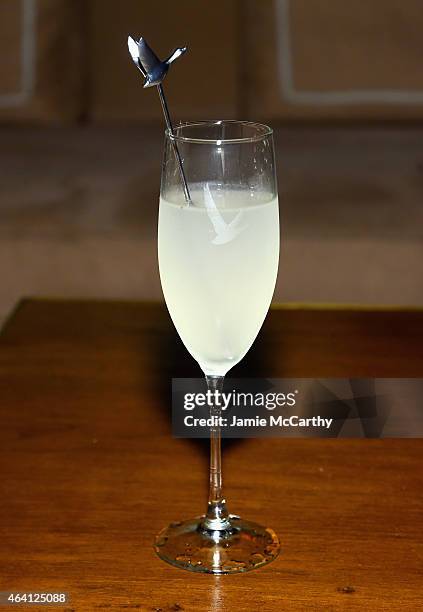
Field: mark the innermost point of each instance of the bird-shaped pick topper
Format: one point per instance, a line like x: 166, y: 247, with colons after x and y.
x: 151, y: 67
x: 154, y: 71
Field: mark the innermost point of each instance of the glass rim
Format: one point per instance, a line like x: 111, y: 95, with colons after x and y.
x: 262, y: 131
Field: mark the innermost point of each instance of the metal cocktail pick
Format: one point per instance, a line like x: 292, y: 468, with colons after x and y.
x: 154, y: 71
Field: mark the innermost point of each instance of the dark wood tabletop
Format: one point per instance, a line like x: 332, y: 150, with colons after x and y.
x: 90, y: 472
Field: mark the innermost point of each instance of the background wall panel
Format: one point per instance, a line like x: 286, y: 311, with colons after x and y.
x: 41, y: 64
x: 325, y: 59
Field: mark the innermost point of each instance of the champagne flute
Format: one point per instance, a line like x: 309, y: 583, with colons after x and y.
x: 218, y: 260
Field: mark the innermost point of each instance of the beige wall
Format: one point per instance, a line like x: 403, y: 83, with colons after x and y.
x: 263, y: 59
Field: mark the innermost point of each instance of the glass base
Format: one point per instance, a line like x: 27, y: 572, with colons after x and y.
x: 242, y: 547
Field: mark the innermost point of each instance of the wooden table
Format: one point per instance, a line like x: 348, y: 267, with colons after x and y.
x: 90, y: 472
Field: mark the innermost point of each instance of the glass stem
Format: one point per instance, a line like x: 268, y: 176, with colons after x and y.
x: 217, y: 517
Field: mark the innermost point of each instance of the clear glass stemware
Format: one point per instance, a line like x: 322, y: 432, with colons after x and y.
x: 218, y: 260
